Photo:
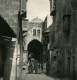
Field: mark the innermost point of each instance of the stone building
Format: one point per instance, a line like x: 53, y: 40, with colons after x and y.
x: 9, y: 11
x: 32, y: 36
x: 7, y: 47
x: 45, y: 41
x: 64, y: 14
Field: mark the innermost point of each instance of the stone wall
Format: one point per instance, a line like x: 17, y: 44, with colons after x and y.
x: 64, y: 22
x: 10, y: 63
x: 29, y: 37
x: 9, y: 11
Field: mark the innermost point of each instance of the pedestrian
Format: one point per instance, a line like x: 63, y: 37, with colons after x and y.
x: 36, y: 67
x: 32, y: 62
x: 41, y: 68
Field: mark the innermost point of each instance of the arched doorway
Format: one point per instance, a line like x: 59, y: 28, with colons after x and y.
x: 36, y: 49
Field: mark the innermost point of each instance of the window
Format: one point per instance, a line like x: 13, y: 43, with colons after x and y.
x: 66, y: 25
x: 38, y: 33
x: 47, y: 39
x: 34, y: 32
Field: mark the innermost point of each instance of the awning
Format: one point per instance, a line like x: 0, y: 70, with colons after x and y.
x: 5, y: 29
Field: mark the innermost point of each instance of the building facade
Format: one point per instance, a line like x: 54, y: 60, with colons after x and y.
x: 64, y: 43
x: 7, y: 47
x: 9, y: 11
x: 45, y: 41
x: 32, y: 33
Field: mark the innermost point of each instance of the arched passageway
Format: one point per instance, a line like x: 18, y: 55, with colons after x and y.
x: 35, y: 49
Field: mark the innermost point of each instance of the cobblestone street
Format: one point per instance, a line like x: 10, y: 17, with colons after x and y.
x: 25, y: 76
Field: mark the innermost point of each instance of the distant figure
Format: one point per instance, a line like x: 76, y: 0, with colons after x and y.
x: 31, y: 63
x: 41, y: 68
x: 30, y: 55
x: 30, y: 67
x: 36, y: 66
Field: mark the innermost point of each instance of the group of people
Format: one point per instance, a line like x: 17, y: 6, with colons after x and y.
x: 34, y: 66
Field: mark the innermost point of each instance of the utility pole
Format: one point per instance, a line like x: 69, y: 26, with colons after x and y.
x: 21, y: 16
x: 20, y: 38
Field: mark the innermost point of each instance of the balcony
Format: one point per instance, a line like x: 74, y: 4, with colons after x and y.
x: 53, y: 8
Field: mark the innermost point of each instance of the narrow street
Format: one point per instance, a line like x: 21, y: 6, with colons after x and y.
x: 38, y: 40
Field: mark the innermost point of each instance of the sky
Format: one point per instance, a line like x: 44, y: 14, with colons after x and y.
x: 40, y: 8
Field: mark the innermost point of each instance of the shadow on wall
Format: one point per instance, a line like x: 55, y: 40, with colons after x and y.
x: 8, y: 62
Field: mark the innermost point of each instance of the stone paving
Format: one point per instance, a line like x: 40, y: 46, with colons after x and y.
x: 26, y: 76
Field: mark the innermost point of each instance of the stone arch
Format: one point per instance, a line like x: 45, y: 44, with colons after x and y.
x: 36, y: 49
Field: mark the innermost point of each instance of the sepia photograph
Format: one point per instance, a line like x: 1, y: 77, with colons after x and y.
x: 38, y: 40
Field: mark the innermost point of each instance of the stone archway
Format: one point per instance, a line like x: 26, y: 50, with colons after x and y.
x: 35, y: 47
